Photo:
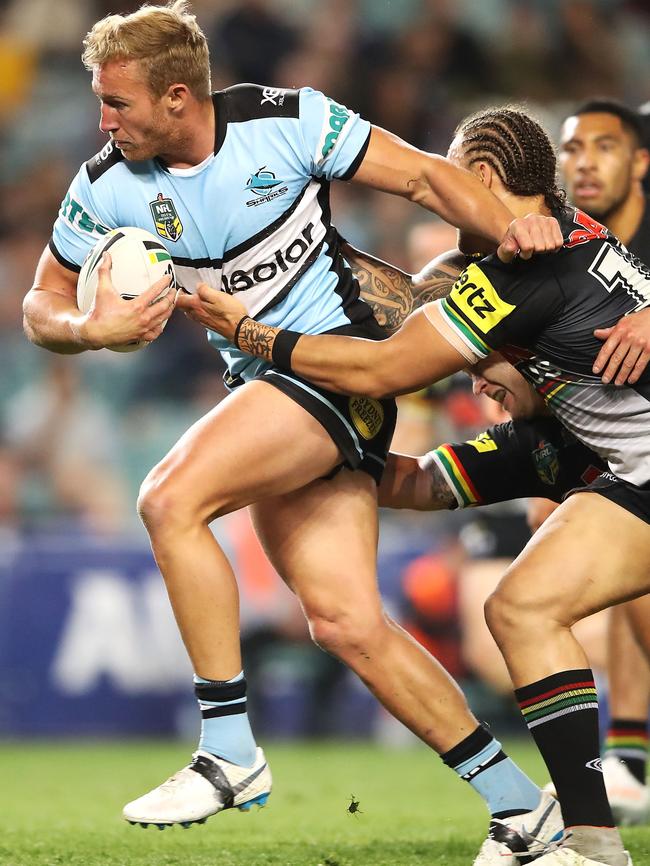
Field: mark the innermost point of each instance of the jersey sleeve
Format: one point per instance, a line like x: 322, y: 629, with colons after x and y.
x: 536, y: 457
x: 493, y: 305
x: 335, y: 138
x: 82, y: 220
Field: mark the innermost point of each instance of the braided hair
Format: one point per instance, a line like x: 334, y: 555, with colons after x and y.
x: 517, y: 148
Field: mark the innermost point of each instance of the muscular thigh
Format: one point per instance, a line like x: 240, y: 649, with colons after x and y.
x: 322, y: 540
x: 589, y: 554
x: 256, y: 443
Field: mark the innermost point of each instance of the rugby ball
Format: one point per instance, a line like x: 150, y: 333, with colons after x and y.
x: 138, y: 260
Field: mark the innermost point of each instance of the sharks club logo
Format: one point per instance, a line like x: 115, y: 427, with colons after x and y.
x: 265, y: 186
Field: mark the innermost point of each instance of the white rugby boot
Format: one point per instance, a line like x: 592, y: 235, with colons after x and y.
x: 206, y: 786
x: 522, y: 838
x: 603, y: 846
x: 569, y: 857
x: 629, y: 799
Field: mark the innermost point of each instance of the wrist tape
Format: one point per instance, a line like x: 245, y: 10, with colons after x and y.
x: 283, y: 346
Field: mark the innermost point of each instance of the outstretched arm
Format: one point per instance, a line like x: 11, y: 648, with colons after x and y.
x: 413, y: 357
x: 349, y: 364
x: 392, y: 165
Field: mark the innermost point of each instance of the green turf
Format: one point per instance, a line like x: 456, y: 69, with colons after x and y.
x: 60, y: 804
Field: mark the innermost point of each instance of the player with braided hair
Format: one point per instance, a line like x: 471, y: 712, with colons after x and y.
x: 517, y: 148
x: 541, y: 314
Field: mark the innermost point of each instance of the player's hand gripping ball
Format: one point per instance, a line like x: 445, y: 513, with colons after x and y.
x: 138, y: 259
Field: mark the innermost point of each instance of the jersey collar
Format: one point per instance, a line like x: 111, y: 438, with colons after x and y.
x: 220, y: 120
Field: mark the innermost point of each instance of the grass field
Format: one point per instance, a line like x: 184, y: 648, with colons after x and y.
x: 60, y: 806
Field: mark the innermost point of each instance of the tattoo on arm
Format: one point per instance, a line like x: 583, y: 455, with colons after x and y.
x: 436, y: 279
x: 386, y: 289
x: 394, y: 294
x: 437, y: 284
x: 256, y: 338
x: 442, y: 498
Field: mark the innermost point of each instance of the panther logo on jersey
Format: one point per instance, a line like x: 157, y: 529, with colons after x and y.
x: 165, y: 216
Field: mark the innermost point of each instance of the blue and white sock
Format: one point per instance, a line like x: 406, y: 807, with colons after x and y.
x: 225, y: 729
x: 480, y: 760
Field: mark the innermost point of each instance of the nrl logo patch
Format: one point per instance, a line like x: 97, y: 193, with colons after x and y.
x: 546, y: 463
x: 166, y: 219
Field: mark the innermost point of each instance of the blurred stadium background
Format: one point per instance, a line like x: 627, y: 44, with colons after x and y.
x: 87, y: 640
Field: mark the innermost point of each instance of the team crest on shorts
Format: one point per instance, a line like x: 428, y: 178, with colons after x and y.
x: 546, y: 462
x: 167, y: 221
x: 367, y: 415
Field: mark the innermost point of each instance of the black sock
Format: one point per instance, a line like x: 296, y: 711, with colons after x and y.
x: 561, y: 712
x: 628, y: 740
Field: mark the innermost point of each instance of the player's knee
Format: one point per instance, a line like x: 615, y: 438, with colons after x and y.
x: 159, y: 503
x: 505, y: 615
x: 346, y: 636
x: 149, y: 502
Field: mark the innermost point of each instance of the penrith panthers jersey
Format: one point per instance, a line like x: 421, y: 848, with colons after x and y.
x: 541, y: 315
x: 521, y: 458
x: 252, y: 219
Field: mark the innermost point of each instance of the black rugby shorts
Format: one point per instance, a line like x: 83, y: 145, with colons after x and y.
x: 361, y: 427
x: 634, y: 499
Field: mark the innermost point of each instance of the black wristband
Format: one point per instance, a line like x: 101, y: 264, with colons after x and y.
x: 283, y: 346
x: 237, y: 329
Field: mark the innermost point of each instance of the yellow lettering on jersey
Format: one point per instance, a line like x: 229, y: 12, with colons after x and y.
x: 475, y: 295
x: 483, y: 443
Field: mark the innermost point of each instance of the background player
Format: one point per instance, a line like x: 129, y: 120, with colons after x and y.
x: 238, y: 186
x: 545, y: 311
x: 604, y: 161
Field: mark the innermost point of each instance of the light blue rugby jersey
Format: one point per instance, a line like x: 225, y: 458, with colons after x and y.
x: 252, y: 219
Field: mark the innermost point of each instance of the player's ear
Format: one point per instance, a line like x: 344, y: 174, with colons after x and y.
x: 484, y: 172
x: 640, y: 163
x: 176, y: 96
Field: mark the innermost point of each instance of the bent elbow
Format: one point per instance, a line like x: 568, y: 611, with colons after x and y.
x: 28, y: 330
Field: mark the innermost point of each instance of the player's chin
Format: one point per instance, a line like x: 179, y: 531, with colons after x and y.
x: 134, y: 152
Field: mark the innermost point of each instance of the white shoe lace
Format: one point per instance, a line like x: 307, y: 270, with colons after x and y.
x: 541, y: 847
